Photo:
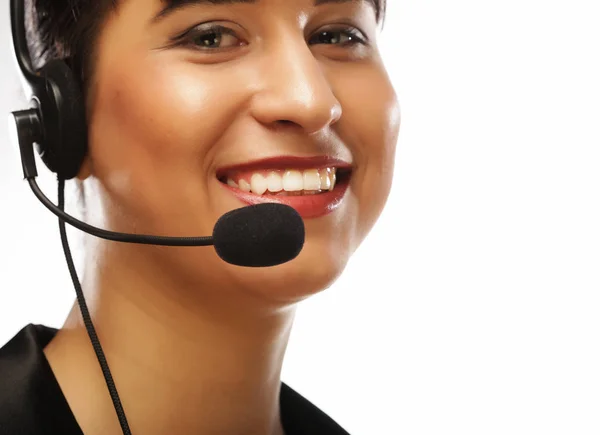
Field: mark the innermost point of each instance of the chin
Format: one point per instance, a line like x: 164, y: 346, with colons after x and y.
x: 317, y: 267
x: 319, y: 264
x: 310, y: 273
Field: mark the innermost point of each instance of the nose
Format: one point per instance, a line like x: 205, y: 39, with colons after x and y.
x: 294, y: 90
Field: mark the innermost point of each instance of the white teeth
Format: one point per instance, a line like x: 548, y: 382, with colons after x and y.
x: 274, y: 182
x: 245, y: 186
x: 258, y: 184
x: 325, y: 175
x: 293, y: 181
x: 312, y: 180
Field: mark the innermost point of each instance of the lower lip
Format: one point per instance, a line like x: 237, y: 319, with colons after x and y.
x: 308, y: 206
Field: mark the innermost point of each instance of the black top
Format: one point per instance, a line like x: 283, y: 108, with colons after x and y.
x: 32, y: 403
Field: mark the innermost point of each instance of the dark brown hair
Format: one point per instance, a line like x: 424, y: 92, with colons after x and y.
x: 68, y: 29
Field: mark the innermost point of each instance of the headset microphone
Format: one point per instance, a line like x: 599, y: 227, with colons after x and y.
x: 261, y: 235
x: 256, y: 236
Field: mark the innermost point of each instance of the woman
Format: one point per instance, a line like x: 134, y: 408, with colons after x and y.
x: 196, y: 108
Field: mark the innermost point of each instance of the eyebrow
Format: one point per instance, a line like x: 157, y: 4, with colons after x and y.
x: 171, y: 6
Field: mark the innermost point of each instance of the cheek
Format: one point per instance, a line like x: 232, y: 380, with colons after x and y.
x: 373, y: 122
x: 152, y: 134
x: 159, y: 112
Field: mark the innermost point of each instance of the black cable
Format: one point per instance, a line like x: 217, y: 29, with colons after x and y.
x: 117, y: 237
x: 87, y: 320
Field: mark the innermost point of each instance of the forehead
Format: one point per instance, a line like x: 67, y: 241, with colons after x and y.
x: 171, y: 5
x: 176, y: 3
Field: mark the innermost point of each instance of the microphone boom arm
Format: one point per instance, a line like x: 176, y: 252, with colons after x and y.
x: 117, y: 237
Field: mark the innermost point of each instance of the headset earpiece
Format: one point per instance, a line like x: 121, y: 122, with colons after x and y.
x: 62, y: 110
x: 57, y: 124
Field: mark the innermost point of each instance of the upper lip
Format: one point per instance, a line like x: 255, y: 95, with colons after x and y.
x: 286, y: 162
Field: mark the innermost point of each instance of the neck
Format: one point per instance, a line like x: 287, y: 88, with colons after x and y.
x: 180, y: 365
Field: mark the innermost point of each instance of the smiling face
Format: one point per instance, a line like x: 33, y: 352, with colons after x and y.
x: 206, y: 108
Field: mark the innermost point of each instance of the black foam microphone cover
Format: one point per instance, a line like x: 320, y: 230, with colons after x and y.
x: 261, y: 235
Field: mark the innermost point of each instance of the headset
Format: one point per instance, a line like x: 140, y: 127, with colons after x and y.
x: 262, y: 235
x: 57, y: 123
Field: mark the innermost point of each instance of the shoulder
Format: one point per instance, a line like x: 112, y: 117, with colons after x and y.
x: 301, y: 417
x: 31, y: 402
x: 16, y: 360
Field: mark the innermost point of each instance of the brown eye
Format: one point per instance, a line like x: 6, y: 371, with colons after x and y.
x: 211, y: 38
x: 347, y: 36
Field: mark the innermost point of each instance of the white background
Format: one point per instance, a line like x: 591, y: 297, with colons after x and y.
x: 473, y: 307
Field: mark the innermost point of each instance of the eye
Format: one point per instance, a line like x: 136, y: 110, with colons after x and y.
x: 216, y: 37
x: 210, y: 38
x: 345, y: 36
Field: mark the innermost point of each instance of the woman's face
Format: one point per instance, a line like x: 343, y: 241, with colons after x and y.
x: 205, y: 108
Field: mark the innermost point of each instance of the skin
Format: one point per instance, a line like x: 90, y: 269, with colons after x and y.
x: 196, y: 345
